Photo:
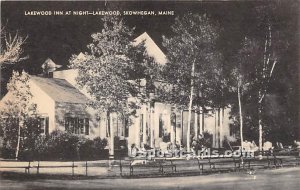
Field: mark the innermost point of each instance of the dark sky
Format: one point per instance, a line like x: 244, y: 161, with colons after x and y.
x: 58, y: 37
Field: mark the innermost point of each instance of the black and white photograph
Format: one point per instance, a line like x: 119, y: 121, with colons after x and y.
x: 144, y: 94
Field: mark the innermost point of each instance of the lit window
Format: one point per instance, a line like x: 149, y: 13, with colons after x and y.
x: 77, y: 125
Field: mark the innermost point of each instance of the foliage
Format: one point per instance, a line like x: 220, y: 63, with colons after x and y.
x: 17, y: 109
x: 62, y: 146
x: 29, y: 133
x: 194, y: 41
x: 19, y: 104
x: 205, y: 141
x: 9, y: 132
x: 193, y: 71
x: 112, y: 69
x: 120, y: 148
x: 254, y: 67
x: 11, y: 50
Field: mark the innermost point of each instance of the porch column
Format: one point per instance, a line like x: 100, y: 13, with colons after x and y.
x: 145, y: 120
x: 196, y: 124
x: 181, y: 136
x: 137, y: 126
x: 151, y: 127
x: 173, y: 127
x: 215, y: 131
x: 221, y: 127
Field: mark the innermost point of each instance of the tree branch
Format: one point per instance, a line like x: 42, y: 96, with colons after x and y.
x: 12, y: 50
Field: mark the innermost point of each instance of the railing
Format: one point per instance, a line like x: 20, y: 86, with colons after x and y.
x: 176, y: 165
x: 36, y: 165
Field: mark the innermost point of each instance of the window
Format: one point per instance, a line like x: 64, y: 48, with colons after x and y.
x: 118, y: 125
x: 44, y: 125
x: 77, y: 125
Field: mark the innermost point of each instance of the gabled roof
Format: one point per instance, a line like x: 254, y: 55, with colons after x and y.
x: 50, y: 66
x: 152, y: 49
x: 60, y: 90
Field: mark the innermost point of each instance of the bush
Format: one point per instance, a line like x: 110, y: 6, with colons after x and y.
x: 61, y: 145
x: 99, y: 151
x: 58, y: 145
x: 120, y: 146
x: 9, y: 136
x: 205, y: 141
x: 7, y: 153
x: 93, y: 149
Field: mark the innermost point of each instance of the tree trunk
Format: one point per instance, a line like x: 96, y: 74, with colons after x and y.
x: 0, y: 83
x: 188, y: 147
x: 241, y: 117
x: 203, y: 122
x: 263, y: 89
x: 260, y: 128
x: 196, y: 124
x: 218, y: 128
x: 19, y: 139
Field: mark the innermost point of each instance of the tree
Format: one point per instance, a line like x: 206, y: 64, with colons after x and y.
x: 112, y: 70
x: 240, y: 78
x: 266, y: 49
x: 257, y: 62
x: 112, y: 67
x: 268, y: 62
x: 193, y: 68
x: 11, y: 50
x: 17, y: 109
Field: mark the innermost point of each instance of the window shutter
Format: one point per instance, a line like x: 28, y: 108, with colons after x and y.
x: 126, y: 127
x: 76, y: 125
x: 87, y: 126
x: 67, y: 124
x: 47, y: 125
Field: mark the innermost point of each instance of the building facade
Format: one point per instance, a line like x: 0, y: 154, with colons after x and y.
x: 64, y: 107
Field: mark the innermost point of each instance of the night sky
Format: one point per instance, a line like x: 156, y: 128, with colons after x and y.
x: 58, y: 37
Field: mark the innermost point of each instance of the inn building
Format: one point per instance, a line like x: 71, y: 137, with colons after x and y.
x: 63, y: 106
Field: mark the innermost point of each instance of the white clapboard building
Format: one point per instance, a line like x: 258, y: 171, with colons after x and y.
x: 62, y: 105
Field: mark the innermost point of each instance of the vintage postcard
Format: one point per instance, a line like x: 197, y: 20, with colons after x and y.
x: 149, y: 95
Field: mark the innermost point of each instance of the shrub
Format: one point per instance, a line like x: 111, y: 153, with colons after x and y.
x: 100, y: 151
x: 9, y: 135
x: 66, y: 146
x: 58, y: 145
x: 87, y: 150
x: 120, y: 146
x: 7, y: 153
x: 206, y: 141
